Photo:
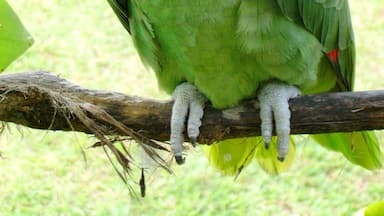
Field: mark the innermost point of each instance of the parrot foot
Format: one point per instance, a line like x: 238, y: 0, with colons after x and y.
x: 187, y: 99
x: 273, y: 98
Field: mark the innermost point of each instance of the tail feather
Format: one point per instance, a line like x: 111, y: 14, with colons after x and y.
x: 361, y: 148
x: 233, y: 155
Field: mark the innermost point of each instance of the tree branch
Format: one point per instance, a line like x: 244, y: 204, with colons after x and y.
x: 45, y: 101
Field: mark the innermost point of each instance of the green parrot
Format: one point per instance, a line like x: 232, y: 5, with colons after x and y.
x: 226, y: 51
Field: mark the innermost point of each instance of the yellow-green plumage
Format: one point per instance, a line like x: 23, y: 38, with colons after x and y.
x: 228, y: 48
x: 227, y: 158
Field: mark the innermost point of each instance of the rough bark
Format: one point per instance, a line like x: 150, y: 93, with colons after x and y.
x: 45, y: 101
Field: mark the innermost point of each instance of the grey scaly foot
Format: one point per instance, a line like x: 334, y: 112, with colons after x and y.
x: 273, y: 98
x: 188, y: 101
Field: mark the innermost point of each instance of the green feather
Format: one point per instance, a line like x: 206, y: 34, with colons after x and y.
x: 233, y: 155
x: 361, y: 148
x: 330, y: 22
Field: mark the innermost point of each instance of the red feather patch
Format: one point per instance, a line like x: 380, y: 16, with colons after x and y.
x: 333, y: 55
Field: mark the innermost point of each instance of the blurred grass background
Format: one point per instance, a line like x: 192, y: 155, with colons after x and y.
x: 43, y: 173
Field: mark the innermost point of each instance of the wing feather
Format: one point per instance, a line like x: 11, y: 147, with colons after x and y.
x: 330, y: 21
x: 121, y: 9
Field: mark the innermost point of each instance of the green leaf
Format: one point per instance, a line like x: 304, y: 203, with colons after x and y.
x: 14, y: 38
x: 375, y: 209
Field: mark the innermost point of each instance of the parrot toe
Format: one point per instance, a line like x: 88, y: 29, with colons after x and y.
x: 188, y: 101
x: 193, y: 141
x: 266, y: 145
x: 273, y: 98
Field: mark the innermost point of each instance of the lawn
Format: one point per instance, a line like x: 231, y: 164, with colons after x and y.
x: 44, y: 173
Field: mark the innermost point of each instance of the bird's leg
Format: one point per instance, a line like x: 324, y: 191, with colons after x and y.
x: 273, y: 98
x: 187, y: 100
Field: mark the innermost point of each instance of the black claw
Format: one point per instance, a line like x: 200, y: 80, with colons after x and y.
x: 193, y: 141
x: 281, y: 159
x: 266, y: 145
x: 179, y: 160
